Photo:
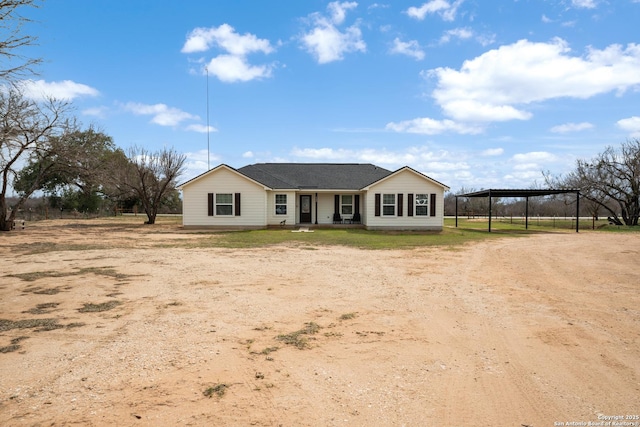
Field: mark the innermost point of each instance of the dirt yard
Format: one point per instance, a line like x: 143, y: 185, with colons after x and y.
x: 130, y: 326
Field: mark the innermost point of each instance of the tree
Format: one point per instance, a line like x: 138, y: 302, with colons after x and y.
x: 611, y: 180
x: 81, y: 163
x: 14, y: 64
x: 28, y: 131
x: 149, y: 176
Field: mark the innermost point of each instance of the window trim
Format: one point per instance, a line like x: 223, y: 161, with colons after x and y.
x: 343, y: 205
x: 425, y: 205
x: 385, y: 204
x: 276, y: 204
x: 230, y: 203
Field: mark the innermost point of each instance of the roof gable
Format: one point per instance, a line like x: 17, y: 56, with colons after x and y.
x: 212, y: 171
x: 407, y: 168
x: 335, y: 176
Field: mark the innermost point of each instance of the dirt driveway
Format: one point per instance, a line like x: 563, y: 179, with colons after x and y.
x: 108, y: 325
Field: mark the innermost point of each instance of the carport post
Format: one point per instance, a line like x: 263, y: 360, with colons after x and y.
x: 489, y: 211
x: 456, y: 211
x: 577, y: 211
x: 526, y: 213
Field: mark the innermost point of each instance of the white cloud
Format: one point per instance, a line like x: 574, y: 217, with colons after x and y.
x: 459, y: 33
x: 231, y: 68
x: 248, y: 154
x: 442, y: 7
x: 464, y: 33
x: 410, y: 48
x: 491, y: 152
x: 326, y: 42
x: 233, y: 65
x: 631, y: 125
x: 225, y: 37
x: 497, y: 84
x: 571, y: 127
x: 584, y: 4
x: 100, y: 112
x: 417, y: 157
x: 161, y: 114
x: 64, y: 90
x: 534, y: 157
x: 200, y: 128
x: 428, y: 126
x: 339, y: 10
x: 198, y: 162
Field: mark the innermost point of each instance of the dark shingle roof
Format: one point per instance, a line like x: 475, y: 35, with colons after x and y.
x: 338, y: 176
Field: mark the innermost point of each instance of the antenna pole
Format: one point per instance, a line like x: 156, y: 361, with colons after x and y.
x: 208, y: 130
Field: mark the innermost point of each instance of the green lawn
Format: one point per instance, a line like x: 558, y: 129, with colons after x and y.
x: 358, y: 238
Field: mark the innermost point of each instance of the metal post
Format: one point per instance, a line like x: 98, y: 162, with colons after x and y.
x: 526, y: 213
x: 456, y: 211
x: 489, y: 211
x: 578, y: 211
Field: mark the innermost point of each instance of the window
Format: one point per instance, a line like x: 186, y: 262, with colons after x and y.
x: 422, y: 205
x: 224, y: 204
x: 346, y: 204
x: 281, y: 204
x: 388, y: 204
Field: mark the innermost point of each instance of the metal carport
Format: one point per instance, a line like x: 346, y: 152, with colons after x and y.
x: 521, y: 193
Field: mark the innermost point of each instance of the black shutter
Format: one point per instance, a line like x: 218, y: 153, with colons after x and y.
x: 400, y: 204
x: 377, y: 207
x: 237, y: 204
x: 410, y: 204
x: 210, y: 203
x: 356, y: 204
x: 336, y: 204
x: 433, y: 205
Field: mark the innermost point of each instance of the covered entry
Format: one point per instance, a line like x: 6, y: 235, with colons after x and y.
x: 521, y: 193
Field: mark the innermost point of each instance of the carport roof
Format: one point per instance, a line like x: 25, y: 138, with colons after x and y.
x: 491, y: 193
x: 517, y: 193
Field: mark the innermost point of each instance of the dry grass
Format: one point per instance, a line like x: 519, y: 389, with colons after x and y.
x: 298, y: 338
x: 96, y: 308
x: 218, y: 389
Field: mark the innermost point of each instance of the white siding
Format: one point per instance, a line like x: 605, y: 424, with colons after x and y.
x: 290, y: 217
x: 223, y: 180
x: 405, y: 182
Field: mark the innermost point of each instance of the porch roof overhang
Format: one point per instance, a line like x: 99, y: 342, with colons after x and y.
x: 526, y: 193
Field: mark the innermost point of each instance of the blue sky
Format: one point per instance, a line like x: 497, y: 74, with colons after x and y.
x: 475, y: 94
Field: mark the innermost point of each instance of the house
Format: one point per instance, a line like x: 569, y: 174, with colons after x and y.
x: 272, y: 194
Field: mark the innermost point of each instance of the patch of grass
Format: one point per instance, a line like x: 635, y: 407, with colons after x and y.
x: 43, y: 324
x: 269, y: 350
x: 14, y: 345
x: 99, y: 271
x: 10, y: 348
x: 358, y: 238
x: 96, y: 308
x: 43, y: 308
x: 33, y: 276
x: 75, y: 325
x: 218, y: 389
x: 46, y: 291
x: 298, y: 338
x: 348, y: 316
x: 104, y: 271
x: 365, y: 333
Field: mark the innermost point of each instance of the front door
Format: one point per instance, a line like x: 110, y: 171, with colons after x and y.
x: 305, y: 209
